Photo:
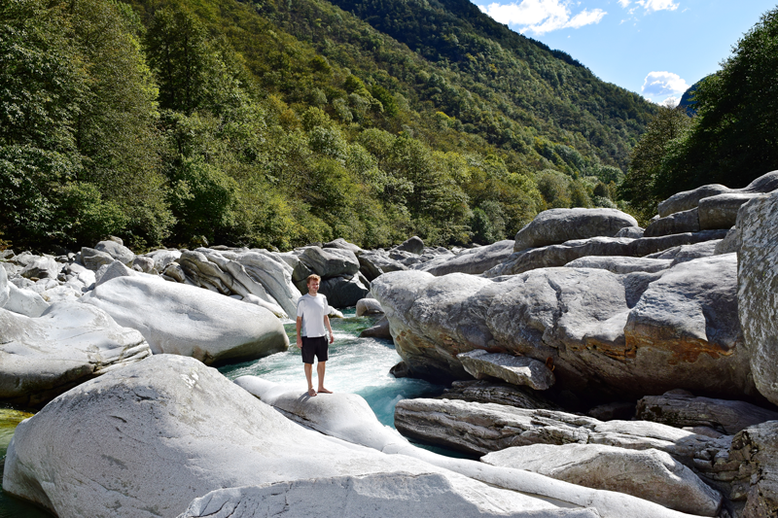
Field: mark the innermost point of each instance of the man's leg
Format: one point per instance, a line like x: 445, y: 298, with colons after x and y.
x: 320, y: 371
x: 308, y: 367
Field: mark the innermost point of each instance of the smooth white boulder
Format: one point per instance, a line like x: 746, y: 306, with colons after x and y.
x: 370, y: 496
x: 190, y: 321
x: 68, y: 344
x: 5, y: 290
x: 144, y: 441
x: 24, y: 302
x: 649, y: 474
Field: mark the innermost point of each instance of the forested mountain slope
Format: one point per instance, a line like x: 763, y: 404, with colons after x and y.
x: 279, y: 123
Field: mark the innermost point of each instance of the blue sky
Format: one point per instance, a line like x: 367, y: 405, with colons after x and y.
x: 656, y: 48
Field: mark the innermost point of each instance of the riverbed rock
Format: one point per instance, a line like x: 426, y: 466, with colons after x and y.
x: 622, y: 264
x: 24, y: 302
x: 676, y: 223
x: 348, y: 417
x: 171, y: 429
x: 376, y: 262
x: 329, y: 262
x: 187, y: 320
x: 562, y: 254
x: 479, y: 391
x: 378, y: 330
x: 259, y: 273
x: 343, y: 245
x: 373, y: 495
x: 556, y: 226
x: 5, y: 289
x: 474, y: 261
x: 41, y: 267
x: 758, y: 289
x: 755, y: 452
x: 649, y: 474
x: 481, y: 428
x: 635, y: 334
x: 344, y: 291
x: 719, y: 211
x: 68, y: 344
x: 368, y: 306
x: 516, y: 370
x: 116, y: 250
x: 688, y: 200
x: 94, y: 259
x: 414, y: 245
x: 681, y: 409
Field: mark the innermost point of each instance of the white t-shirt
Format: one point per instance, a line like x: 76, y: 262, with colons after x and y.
x: 313, y: 311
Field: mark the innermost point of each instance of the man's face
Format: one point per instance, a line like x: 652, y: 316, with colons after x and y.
x: 313, y: 286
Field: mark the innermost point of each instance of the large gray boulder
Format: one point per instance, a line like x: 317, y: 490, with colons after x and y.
x: 376, y: 262
x: 144, y: 441
x: 718, y: 204
x: 367, y: 496
x: 754, y: 455
x: 516, y: 370
x: 258, y: 273
x: 41, y: 267
x: 329, y: 262
x: 413, y: 245
x: 676, y: 223
x: 474, y: 261
x: 479, y: 391
x: 68, y: 344
x: 24, y: 302
x: 649, y: 474
x: 562, y: 254
x: 93, y: 259
x: 559, y: 225
x: 758, y: 289
x: 344, y: 291
x: 682, y: 409
x: 187, y: 320
x: 116, y: 250
x: 481, y: 428
x: 343, y: 245
x: 638, y: 333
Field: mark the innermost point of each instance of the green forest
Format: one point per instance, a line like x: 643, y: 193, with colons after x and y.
x: 275, y: 124
x: 733, y: 137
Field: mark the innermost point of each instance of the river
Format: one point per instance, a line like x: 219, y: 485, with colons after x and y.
x: 356, y: 365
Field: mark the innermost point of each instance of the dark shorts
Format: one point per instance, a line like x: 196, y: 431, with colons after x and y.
x: 317, y: 346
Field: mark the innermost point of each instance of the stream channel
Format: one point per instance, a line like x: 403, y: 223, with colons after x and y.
x: 356, y: 365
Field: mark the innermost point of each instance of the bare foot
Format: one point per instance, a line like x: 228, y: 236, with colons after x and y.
x: 324, y: 390
x: 311, y: 392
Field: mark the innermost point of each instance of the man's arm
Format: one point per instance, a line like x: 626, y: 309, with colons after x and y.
x: 299, y: 328
x: 327, y: 325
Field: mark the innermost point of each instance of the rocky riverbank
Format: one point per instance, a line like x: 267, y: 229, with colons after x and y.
x: 621, y: 372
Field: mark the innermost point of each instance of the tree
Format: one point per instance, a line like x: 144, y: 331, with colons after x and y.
x: 734, y: 138
x: 640, y: 187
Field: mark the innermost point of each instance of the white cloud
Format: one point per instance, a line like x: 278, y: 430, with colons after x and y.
x: 662, y: 86
x: 542, y: 16
x: 624, y: 3
x: 657, y: 5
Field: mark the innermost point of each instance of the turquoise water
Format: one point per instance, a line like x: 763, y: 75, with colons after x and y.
x: 356, y: 365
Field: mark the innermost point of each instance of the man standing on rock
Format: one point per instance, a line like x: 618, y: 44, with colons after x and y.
x: 313, y: 323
